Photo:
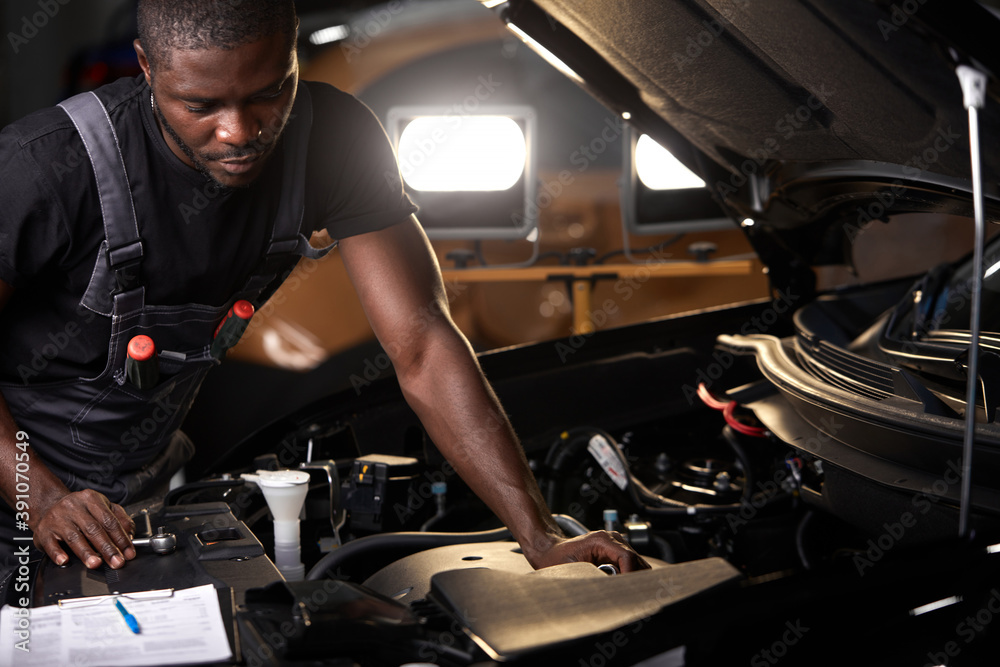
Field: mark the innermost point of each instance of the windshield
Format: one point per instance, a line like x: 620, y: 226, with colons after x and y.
x: 952, y: 302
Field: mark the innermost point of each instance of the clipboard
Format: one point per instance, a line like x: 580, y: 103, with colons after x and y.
x: 176, y: 626
x: 227, y: 607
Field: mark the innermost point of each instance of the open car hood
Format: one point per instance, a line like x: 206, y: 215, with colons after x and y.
x: 811, y: 118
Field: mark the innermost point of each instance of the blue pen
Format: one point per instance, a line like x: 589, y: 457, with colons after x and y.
x: 133, y: 624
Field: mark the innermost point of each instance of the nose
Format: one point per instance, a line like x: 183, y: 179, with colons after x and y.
x: 238, y: 127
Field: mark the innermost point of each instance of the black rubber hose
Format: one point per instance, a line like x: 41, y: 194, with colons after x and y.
x: 638, y: 491
x: 800, y: 539
x: 561, y: 452
x: 569, y: 525
x: 174, y: 494
x: 729, y: 433
x: 666, y: 551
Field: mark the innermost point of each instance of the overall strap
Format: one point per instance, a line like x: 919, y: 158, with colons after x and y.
x: 287, y: 240
x: 291, y: 210
x: 121, y: 231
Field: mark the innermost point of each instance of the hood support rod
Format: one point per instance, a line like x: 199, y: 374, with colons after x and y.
x: 973, y: 84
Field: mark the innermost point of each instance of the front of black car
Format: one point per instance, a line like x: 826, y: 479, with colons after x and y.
x: 811, y: 122
x: 794, y: 466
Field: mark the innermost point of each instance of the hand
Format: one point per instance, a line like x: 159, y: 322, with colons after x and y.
x: 597, y: 547
x: 89, y: 524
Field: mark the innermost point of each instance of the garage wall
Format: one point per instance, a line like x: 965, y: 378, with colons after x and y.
x: 39, y: 39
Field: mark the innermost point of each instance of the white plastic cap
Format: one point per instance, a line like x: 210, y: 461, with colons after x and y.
x: 277, y: 478
x: 973, y: 84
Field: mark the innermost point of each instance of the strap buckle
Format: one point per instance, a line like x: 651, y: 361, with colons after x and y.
x: 124, y: 262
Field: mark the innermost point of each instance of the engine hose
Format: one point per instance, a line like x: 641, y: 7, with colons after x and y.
x: 639, y: 492
x: 415, y: 541
x: 729, y: 434
x: 565, y: 448
x: 800, y: 542
x: 657, y: 505
x: 666, y: 551
x: 174, y: 494
x: 570, y: 526
x: 578, y: 439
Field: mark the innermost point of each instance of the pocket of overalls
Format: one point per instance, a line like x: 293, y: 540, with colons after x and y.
x: 127, y: 425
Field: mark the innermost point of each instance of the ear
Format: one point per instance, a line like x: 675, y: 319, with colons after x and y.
x: 143, y: 61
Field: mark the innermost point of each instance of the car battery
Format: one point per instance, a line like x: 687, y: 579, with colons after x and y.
x: 376, y: 493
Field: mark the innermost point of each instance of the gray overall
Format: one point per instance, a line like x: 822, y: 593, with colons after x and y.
x: 102, y: 432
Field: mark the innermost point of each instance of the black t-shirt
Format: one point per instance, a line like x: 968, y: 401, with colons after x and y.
x: 200, y: 243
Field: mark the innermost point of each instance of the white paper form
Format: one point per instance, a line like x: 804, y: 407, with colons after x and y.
x: 184, y: 628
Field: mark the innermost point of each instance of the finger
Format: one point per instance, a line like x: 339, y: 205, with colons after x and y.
x: 80, y: 545
x: 129, y: 550
x: 99, y: 535
x: 620, y: 539
x: 103, y: 528
x: 631, y: 561
x: 50, y: 545
x: 87, y: 523
x: 121, y: 528
x: 626, y: 563
x: 128, y: 525
x: 93, y: 525
x: 619, y: 551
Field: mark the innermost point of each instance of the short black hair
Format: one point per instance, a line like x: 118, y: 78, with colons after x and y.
x: 198, y: 24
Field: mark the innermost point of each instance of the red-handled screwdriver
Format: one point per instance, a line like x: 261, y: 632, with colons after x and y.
x: 141, y: 366
x: 231, y: 327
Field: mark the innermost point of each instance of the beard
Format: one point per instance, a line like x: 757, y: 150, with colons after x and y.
x: 200, y: 162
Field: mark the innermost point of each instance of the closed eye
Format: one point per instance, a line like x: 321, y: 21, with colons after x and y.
x: 271, y: 96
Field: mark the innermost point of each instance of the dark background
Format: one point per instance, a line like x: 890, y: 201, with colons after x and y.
x: 38, y: 74
x: 87, y: 40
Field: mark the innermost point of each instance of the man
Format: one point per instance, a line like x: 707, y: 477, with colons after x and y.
x: 220, y: 113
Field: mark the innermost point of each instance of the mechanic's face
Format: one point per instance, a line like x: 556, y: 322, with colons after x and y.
x: 222, y: 111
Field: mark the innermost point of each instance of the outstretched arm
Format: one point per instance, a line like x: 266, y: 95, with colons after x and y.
x: 399, y: 283
x: 84, y: 522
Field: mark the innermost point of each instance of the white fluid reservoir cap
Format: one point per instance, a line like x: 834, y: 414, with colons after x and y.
x: 277, y: 478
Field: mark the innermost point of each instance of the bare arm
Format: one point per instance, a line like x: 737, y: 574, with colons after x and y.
x: 85, y: 521
x: 398, y: 281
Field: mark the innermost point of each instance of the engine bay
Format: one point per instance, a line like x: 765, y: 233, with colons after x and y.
x: 761, y: 543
